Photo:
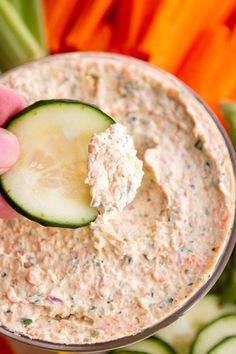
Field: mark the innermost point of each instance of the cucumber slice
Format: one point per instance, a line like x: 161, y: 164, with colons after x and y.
x: 226, y: 346
x: 150, y: 346
x: 181, y: 333
x: 131, y: 352
x: 121, y: 352
x: 47, y: 183
x: 213, y: 333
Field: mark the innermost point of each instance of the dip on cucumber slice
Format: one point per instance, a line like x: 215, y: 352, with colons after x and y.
x: 47, y: 184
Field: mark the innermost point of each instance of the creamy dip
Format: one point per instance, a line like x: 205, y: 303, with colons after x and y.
x: 120, y: 276
x: 114, y: 171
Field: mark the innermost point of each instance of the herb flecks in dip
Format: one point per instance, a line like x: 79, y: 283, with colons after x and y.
x: 119, y: 276
x: 114, y: 171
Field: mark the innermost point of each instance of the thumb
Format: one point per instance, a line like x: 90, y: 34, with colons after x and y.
x: 9, y: 150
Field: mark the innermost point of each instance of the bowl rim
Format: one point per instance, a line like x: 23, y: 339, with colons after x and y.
x: 221, y: 263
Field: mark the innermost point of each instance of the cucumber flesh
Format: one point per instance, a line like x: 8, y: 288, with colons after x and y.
x: 213, y: 333
x: 150, y: 346
x: 181, y: 333
x: 47, y: 182
x: 226, y: 346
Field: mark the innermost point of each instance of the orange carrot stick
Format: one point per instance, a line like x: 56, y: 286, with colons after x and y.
x: 213, y: 72
x: 221, y: 12
x: 176, y: 28
x: 227, y: 75
x: 159, y: 27
x: 90, y: 17
x: 100, y: 39
x: 130, y: 23
x: 58, y: 19
x: 204, y: 65
x: 48, y: 8
x: 205, y: 59
x: 232, y: 95
x: 142, y: 13
x: 122, y: 14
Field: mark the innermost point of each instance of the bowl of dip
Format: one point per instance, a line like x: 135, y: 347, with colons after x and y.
x: 98, y: 288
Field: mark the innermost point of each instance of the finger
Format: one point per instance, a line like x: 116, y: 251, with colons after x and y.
x: 9, y: 150
x: 6, y: 212
x: 10, y: 103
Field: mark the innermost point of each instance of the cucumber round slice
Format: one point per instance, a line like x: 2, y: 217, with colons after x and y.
x: 131, y: 352
x: 226, y: 346
x: 150, y: 346
x: 213, y: 333
x: 47, y: 182
x: 181, y: 333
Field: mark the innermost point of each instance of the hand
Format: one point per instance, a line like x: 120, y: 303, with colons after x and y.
x: 10, y: 104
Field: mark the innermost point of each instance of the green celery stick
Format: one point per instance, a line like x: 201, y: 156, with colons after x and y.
x: 17, y: 44
x: 18, y: 5
x: 229, y: 111
x: 31, y: 12
x: 226, y: 285
x: 228, y: 293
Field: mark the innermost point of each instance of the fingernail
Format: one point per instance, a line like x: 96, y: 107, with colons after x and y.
x: 9, y: 150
